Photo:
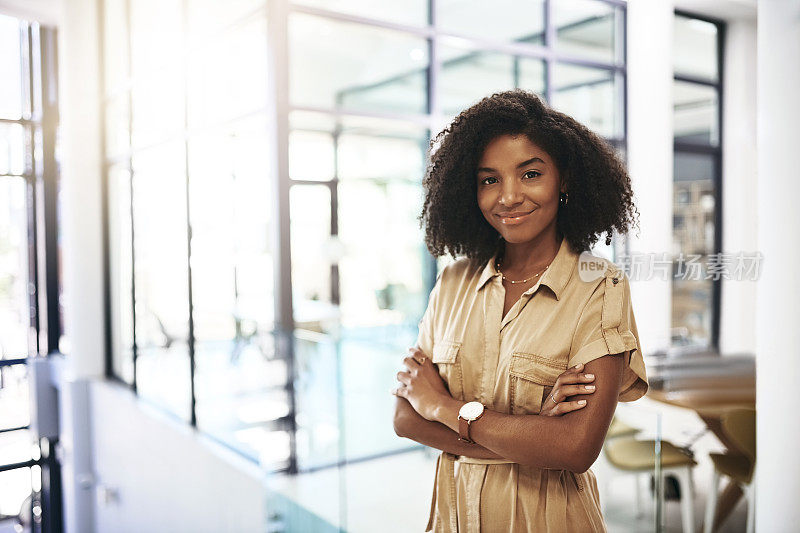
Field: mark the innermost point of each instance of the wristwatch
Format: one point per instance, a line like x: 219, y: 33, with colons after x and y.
x: 469, y: 412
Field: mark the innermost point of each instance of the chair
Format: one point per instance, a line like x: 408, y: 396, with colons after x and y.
x: 617, y: 429
x: 638, y: 456
x: 740, y: 426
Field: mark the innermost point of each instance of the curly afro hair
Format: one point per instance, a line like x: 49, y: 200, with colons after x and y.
x: 600, y: 195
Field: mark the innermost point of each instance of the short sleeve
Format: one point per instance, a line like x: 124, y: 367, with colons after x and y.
x: 607, y: 326
x: 425, y: 336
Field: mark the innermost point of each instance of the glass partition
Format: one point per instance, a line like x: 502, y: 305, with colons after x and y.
x: 591, y: 96
x: 629, y: 466
x: 467, y: 75
x: 325, y: 73
x: 588, y: 29
x: 696, y: 113
x: 409, y: 12
x: 160, y: 277
x: 696, y: 51
x: 505, y: 20
x: 268, y: 298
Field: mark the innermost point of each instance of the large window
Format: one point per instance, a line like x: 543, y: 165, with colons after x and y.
x: 30, y: 315
x: 697, y: 104
x: 191, y: 219
x: 268, y: 271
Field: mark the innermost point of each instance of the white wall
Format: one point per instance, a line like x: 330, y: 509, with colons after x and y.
x: 650, y: 141
x: 739, y: 183
x: 154, y: 474
x: 81, y: 250
x: 43, y: 11
x: 80, y: 163
x: 778, y: 307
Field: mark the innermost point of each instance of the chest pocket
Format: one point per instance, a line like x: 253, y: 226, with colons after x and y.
x: 447, y: 358
x: 531, y: 380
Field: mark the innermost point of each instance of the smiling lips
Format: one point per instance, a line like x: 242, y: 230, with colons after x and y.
x: 514, y: 217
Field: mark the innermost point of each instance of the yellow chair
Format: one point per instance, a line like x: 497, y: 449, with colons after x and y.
x: 616, y: 429
x: 740, y: 426
x: 638, y: 456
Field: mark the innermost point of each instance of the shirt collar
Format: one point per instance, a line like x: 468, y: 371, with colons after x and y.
x: 555, y: 277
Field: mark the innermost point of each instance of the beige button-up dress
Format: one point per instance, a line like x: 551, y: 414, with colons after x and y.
x: 510, y: 364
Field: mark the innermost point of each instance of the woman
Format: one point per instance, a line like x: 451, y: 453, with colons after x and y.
x: 516, y: 330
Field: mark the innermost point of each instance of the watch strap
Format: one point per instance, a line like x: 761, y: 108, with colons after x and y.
x: 463, y: 430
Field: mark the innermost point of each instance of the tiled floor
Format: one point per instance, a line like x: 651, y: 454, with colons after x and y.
x: 620, y: 516
x: 390, y: 494
x: 393, y: 494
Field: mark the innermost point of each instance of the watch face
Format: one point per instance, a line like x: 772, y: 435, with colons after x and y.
x: 471, y: 410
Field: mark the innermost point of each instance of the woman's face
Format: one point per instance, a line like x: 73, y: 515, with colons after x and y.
x: 516, y: 177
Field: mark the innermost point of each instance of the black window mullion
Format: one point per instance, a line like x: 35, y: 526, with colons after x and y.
x: 715, y: 152
x: 17, y: 428
x: 11, y: 362
x: 31, y: 203
x: 16, y: 466
x: 718, y: 204
x: 49, y: 106
x: 129, y: 156
x: 549, y: 43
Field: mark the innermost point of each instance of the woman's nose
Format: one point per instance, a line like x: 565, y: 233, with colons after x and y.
x: 510, y: 193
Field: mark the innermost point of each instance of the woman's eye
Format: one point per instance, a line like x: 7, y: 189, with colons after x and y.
x: 484, y: 180
x: 535, y: 173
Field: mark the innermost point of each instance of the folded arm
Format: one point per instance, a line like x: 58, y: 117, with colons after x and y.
x: 569, y: 442
x: 411, y: 425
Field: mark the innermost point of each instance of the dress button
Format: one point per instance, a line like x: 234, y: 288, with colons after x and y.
x: 615, y: 280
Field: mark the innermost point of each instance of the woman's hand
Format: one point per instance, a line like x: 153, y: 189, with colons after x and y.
x: 421, y: 384
x: 569, y: 383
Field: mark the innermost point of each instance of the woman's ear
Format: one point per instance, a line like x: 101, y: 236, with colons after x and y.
x: 562, y: 184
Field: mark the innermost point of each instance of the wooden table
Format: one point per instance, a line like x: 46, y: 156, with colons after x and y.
x: 708, y: 384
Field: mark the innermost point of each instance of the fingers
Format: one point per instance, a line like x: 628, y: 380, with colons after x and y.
x: 553, y: 398
x: 577, y: 371
x: 418, y: 355
x: 411, y: 363
x: 404, y: 377
x: 566, y: 407
x: 416, y: 361
x: 573, y: 381
x: 565, y: 391
x: 571, y: 376
x: 572, y: 372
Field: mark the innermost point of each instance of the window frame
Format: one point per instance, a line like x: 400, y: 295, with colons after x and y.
x: 39, y: 116
x: 278, y: 13
x: 715, y: 152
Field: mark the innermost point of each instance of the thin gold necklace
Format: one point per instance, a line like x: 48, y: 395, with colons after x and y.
x: 497, y: 266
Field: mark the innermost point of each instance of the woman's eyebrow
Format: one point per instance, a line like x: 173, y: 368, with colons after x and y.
x: 523, y: 164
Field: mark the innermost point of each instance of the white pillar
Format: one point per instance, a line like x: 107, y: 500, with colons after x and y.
x: 82, y: 258
x: 778, y: 308
x: 81, y: 171
x: 650, y: 152
x: 739, y: 184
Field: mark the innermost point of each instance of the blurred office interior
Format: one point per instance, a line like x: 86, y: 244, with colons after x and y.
x: 211, y: 264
